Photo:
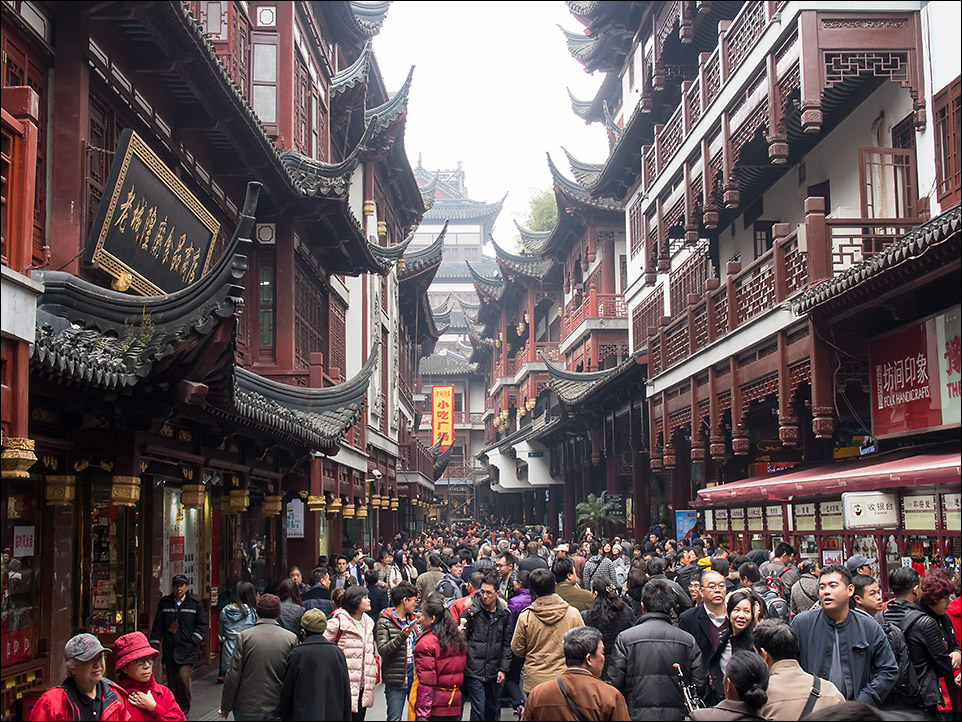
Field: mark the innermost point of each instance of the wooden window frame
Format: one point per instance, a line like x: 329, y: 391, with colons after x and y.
x: 946, y: 114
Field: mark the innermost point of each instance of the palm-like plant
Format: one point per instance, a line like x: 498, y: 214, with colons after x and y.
x: 597, y: 512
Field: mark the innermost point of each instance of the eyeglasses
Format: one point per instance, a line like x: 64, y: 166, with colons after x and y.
x: 144, y: 661
x: 486, y: 592
x: 716, y: 587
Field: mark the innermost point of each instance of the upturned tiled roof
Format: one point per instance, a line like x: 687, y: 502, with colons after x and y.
x: 358, y: 21
x: 94, y: 336
x: 526, y: 265
x: 575, y: 192
x: 585, y: 173
x: 384, y: 116
x: 488, y: 287
x: 932, y: 244
x: 429, y: 192
x: 532, y: 241
x: 581, y: 108
x: 355, y: 75
x: 444, y: 363
x: 465, y: 210
x: 615, y: 131
x: 441, y: 462
x: 424, y: 258
x: 575, y: 387
x: 317, y: 417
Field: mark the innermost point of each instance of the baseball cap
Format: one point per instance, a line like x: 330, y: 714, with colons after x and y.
x: 178, y: 580
x: 858, y: 560
x: 561, y: 548
x: 83, y: 647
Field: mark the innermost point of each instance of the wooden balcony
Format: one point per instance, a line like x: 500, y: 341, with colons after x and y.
x: 833, y: 245
x: 415, y: 457
x: 592, y: 307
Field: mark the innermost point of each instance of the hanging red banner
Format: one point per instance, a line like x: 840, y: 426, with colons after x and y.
x: 442, y: 415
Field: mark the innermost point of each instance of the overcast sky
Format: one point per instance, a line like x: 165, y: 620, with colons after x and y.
x: 489, y: 91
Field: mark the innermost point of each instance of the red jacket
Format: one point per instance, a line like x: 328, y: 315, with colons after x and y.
x: 439, y: 676
x: 166, y: 709
x: 55, y: 704
x: 955, y: 614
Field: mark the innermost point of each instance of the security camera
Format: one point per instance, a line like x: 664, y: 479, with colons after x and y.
x: 377, y: 474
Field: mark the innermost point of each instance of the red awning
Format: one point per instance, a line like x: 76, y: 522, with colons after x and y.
x: 864, y: 474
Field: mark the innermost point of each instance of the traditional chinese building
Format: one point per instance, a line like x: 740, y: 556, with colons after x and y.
x: 761, y: 150
x: 227, y: 201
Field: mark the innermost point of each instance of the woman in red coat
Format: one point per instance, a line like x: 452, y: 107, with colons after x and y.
x: 439, y: 658
x: 147, y: 699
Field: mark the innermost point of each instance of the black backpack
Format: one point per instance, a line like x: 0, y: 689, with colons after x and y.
x: 907, y: 691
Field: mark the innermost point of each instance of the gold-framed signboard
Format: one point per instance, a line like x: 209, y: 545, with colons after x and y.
x: 151, y: 234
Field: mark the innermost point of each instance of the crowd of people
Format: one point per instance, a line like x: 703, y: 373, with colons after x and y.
x: 550, y: 630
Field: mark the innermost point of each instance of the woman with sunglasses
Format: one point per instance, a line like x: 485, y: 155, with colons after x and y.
x: 147, y: 699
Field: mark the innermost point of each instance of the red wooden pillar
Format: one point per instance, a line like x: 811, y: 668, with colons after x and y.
x: 569, y: 508
x: 284, y: 300
x: 641, y: 494
x: 285, y: 91
x: 71, y: 99
x: 554, y: 494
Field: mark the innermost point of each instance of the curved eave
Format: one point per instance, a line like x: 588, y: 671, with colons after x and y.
x: 429, y: 192
x: 530, y: 266
x: 441, y: 462
x: 574, y: 193
x: 355, y: 75
x: 532, y: 241
x: 581, y: 47
x: 424, y: 259
x: 615, y: 131
x: 384, y: 116
x: 574, y: 388
x: 460, y: 210
x: 359, y: 21
x: 110, y: 339
x: 581, y: 108
x: 586, y: 174
x: 487, y: 287
x: 912, y: 247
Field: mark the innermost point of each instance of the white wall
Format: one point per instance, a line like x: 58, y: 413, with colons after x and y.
x: 940, y: 38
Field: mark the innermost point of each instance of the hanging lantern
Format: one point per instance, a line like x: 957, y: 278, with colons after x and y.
x: 394, y: 503
x: 348, y: 512
x: 361, y: 511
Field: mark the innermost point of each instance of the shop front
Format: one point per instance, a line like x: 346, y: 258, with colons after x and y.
x: 899, y: 509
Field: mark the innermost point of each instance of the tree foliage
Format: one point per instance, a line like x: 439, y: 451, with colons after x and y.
x: 597, y: 512
x: 542, y: 211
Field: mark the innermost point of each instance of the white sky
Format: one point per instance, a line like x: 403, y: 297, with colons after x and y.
x: 489, y: 90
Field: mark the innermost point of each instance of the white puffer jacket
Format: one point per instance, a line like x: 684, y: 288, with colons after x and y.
x: 356, y: 640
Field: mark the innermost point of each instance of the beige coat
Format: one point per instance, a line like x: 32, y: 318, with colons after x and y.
x: 788, y: 689
x: 538, y: 638
x: 357, y: 643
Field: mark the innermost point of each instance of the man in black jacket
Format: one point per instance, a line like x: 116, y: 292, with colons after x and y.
x: 922, y: 635
x: 319, y: 595
x: 707, y: 621
x: 487, y: 627
x: 316, y: 682
x: 179, y: 628
x: 641, y: 664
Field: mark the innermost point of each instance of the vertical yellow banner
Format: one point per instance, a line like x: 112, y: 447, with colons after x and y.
x: 442, y: 415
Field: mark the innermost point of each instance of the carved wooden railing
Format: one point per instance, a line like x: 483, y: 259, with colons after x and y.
x: 832, y: 246
x: 594, y: 305
x: 415, y: 457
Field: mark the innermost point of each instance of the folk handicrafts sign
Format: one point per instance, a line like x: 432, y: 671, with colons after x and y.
x: 151, y: 233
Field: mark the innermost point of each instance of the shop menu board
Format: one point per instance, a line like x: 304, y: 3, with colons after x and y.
x: 737, y: 519
x: 775, y: 518
x: 721, y: 519
x: 830, y: 513
x: 918, y: 512
x: 952, y: 511
x: 18, y: 591
x: 805, y: 517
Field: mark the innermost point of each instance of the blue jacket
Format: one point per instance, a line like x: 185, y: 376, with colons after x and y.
x: 868, y: 662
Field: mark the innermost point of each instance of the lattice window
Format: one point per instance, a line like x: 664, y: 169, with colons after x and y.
x: 689, y: 278
x: 310, y: 316
x: 102, y: 137
x: 647, y: 315
x: 947, y: 119
x: 303, y: 99
x: 336, y: 338
x: 228, y: 28
x: 636, y: 231
x: 385, y: 346
x: 23, y: 66
x: 843, y: 66
x: 888, y: 183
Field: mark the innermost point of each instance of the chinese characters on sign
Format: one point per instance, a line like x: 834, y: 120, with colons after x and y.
x: 917, y: 377
x: 442, y: 415
x: 151, y: 233
x: 919, y: 511
x: 870, y: 510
